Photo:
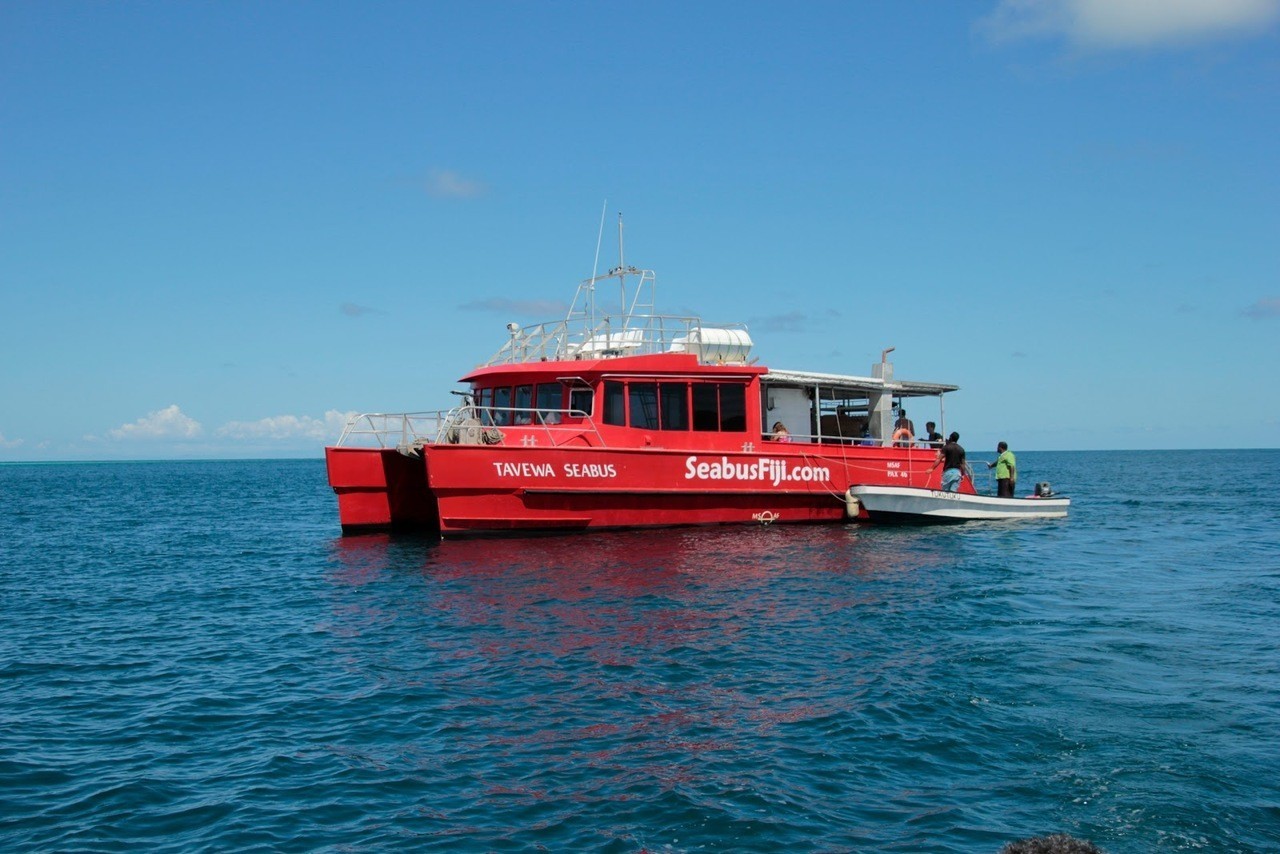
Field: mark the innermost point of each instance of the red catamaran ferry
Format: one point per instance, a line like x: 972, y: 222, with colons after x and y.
x: 630, y: 419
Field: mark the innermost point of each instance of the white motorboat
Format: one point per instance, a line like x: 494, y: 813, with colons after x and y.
x: 917, y: 504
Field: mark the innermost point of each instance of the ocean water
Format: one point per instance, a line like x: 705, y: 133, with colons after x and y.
x: 192, y: 658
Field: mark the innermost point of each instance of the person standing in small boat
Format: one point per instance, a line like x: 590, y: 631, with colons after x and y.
x: 951, y: 458
x: 1006, y: 466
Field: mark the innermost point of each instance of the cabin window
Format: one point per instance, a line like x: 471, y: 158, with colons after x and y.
x: 733, y: 408
x: 523, y: 404
x: 549, y: 397
x: 614, y: 403
x: 501, y: 405
x: 706, y: 407
x: 720, y: 407
x: 580, y: 400
x: 675, y: 405
x: 644, y: 405
x: 483, y: 398
x: 667, y: 406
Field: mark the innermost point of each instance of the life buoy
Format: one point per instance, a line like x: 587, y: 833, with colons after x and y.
x: 902, y: 433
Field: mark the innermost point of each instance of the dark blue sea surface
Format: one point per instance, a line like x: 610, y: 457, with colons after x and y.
x: 192, y: 658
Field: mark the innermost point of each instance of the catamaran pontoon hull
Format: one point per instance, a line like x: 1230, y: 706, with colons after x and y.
x: 467, y: 490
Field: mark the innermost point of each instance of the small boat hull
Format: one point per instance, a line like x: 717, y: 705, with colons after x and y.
x: 915, y: 504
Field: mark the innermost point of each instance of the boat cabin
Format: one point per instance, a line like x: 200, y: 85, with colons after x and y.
x: 675, y: 400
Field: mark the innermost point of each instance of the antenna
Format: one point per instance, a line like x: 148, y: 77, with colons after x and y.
x: 595, y: 267
x: 622, y: 275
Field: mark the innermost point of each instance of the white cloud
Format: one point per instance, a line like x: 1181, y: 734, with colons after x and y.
x: 288, y: 427
x: 445, y: 184
x: 525, y: 308
x: 792, y: 321
x: 351, y: 309
x: 1107, y: 24
x: 1265, y: 307
x: 9, y: 443
x: 167, y: 423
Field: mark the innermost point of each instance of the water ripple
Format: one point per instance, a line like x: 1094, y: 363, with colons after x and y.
x: 192, y: 659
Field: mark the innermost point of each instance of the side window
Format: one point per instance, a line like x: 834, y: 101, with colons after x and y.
x: 733, y: 408
x: 548, y: 399
x: 483, y: 398
x: 706, y: 407
x: 644, y: 405
x: 523, y: 404
x: 614, y: 404
x: 501, y: 405
x: 580, y: 400
x: 675, y: 405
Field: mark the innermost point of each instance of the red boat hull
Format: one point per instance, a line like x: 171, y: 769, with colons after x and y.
x: 461, y: 490
x: 380, y: 489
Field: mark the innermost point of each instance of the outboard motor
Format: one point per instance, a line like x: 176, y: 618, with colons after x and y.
x: 1043, y: 490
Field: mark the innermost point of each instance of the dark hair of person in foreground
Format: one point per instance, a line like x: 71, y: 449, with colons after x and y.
x: 1057, y: 843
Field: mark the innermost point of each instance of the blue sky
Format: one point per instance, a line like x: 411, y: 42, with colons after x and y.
x: 223, y: 226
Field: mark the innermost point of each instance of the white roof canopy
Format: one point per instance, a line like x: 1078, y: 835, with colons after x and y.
x: 859, y: 385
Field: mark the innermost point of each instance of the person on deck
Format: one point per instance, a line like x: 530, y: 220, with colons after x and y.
x: 1006, y: 466
x: 904, y: 432
x: 932, y: 438
x: 951, y: 458
x: 780, y: 433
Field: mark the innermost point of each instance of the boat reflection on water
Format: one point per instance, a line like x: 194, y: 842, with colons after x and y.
x: 631, y: 558
x: 664, y: 578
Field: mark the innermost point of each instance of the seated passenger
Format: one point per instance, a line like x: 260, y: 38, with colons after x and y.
x: 780, y: 433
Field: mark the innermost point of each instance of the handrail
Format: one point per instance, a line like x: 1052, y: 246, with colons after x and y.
x: 382, y: 426
x: 410, y: 430
x: 863, y: 441
x: 553, y: 423
x: 405, y: 430
x: 635, y: 334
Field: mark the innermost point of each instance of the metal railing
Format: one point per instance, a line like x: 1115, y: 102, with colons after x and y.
x: 466, y: 424
x: 636, y: 334
x: 860, y: 441
x: 391, y: 430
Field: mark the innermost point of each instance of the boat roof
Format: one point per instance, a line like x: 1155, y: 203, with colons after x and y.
x: 654, y: 364
x: 861, y: 385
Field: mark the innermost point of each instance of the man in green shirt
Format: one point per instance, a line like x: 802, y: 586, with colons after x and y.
x: 1006, y: 467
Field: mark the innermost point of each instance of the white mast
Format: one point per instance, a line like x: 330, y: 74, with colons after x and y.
x: 590, y: 310
x: 622, y: 274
